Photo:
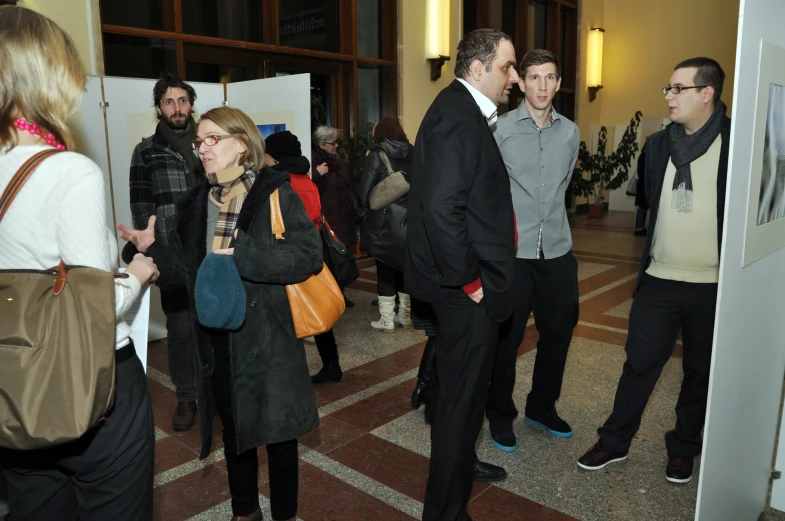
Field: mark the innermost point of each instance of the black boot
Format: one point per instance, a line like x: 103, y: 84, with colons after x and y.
x: 420, y: 393
x: 330, y: 372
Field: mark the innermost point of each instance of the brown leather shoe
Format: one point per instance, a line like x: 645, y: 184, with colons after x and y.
x: 185, y: 416
x: 256, y: 516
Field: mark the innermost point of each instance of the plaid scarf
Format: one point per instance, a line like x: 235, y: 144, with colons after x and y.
x: 228, y: 190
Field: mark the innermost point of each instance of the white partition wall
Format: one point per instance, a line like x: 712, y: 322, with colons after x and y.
x: 90, y: 135
x: 275, y: 103
x: 748, y: 361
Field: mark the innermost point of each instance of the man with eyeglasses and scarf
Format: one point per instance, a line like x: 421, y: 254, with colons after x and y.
x: 164, y: 166
x: 686, y: 172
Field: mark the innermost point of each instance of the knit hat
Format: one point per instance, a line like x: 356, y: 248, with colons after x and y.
x: 219, y: 293
x: 283, y: 144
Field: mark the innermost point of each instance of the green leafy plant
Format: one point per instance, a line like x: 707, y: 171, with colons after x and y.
x: 606, y: 172
x: 354, y: 158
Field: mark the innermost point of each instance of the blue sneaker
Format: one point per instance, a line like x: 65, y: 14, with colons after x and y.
x: 557, y: 427
x: 505, y: 441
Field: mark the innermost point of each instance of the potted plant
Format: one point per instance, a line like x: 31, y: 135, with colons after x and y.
x: 606, y: 172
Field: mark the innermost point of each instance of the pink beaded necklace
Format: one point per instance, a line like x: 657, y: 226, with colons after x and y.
x: 32, y: 128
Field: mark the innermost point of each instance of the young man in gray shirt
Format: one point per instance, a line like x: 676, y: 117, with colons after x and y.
x: 539, y: 148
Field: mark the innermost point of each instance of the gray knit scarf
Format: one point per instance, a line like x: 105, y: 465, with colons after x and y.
x: 686, y: 149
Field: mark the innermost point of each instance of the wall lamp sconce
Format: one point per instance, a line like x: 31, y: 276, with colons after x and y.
x: 594, y: 64
x: 437, y: 35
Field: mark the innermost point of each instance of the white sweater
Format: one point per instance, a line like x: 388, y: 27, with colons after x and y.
x: 60, y: 213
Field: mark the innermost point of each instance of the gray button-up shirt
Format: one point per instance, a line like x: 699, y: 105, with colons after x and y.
x: 539, y: 163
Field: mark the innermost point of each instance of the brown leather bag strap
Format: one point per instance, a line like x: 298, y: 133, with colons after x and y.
x: 21, y: 176
x: 276, y: 219
x: 9, y: 194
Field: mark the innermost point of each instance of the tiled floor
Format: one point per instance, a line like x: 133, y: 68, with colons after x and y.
x: 369, y: 458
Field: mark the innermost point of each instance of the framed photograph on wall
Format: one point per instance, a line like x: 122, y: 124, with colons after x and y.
x: 765, y: 227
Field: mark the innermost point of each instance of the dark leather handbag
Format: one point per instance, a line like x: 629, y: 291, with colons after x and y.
x: 338, y: 258
x: 390, y: 244
x: 57, y: 346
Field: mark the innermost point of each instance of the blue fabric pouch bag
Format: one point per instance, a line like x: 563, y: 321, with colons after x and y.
x: 219, y: 293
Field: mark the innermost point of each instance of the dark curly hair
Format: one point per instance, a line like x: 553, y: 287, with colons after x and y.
x: 171, y: 81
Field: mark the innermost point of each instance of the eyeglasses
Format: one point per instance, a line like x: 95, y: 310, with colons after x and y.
x: 210, y: 140
x: 331, y: 143
x: 677, y: 89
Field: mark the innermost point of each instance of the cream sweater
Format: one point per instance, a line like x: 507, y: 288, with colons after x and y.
x: 684, y: 246
x: 60, y: 213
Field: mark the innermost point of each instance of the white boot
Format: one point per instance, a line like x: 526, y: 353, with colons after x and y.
x: 404, y: 316
x: 387, y: 309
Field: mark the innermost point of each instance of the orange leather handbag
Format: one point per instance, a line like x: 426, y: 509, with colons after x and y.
x: 317, y: 303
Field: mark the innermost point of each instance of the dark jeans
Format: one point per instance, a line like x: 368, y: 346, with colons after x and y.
x: 550, y: 287
x: 659, y: 310
x: 389, y: 281
x: 179, y: 327
x: 243, y: 468
x: 328, y: 349
x: 106, y: 474
x: 465, y: 350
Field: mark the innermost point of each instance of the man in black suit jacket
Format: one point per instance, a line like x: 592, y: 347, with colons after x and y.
x: 460, y: 257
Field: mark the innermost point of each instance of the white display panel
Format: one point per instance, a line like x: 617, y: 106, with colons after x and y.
x: 748, y: 360
x: 90, y: 136
x: 277, y: 101
x: 130, y: 116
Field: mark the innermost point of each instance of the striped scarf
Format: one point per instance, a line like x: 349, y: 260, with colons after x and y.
x: 229, y: 189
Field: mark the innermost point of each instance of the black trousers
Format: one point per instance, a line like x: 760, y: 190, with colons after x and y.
x: 465, y: 346
x: 179, y: 342
x: 327, y: 347
x: 550, y: 288
x: 389, y: 281
x: 243, y: 468
x: 659, y: 310
x: 106, y: 474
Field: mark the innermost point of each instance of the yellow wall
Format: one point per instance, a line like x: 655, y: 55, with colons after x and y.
x: 644, y: 40
x: 417, y: 91
x: 79, y: 19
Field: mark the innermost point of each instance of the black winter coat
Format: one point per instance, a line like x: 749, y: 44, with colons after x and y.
x: 337, y: 195
x: 273, y: 397
x: 374, y: 171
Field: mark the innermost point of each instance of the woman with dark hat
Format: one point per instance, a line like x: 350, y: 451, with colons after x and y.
x: 284, y: 153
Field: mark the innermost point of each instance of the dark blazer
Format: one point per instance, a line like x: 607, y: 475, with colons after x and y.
x: 658, y: 155
x: 460, y: 221
x: 273, y: 398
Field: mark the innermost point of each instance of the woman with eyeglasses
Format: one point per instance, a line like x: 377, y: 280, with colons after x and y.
x: 257, y: 374
x: 331, y: 175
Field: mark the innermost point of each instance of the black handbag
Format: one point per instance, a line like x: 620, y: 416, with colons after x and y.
x: 390, y: 244
x: 337, y: 256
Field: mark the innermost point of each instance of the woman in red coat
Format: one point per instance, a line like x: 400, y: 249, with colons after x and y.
x: 284, y: 153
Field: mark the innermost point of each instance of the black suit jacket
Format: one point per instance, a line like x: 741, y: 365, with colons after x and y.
x: 460, y: 222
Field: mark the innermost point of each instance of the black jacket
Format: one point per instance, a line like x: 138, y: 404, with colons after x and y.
x: 657, y: 157
x: 374, y: 221
x: 273, y: 395
x: 460, y: 207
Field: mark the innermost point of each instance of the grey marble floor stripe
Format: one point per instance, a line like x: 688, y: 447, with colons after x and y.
x: 224, y: 511
x: 186, y: 468
x: 366, y: 393
x: 365, y: 484
x: 161, y: 378
x: 603, y: 289
x: 159, y: 434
